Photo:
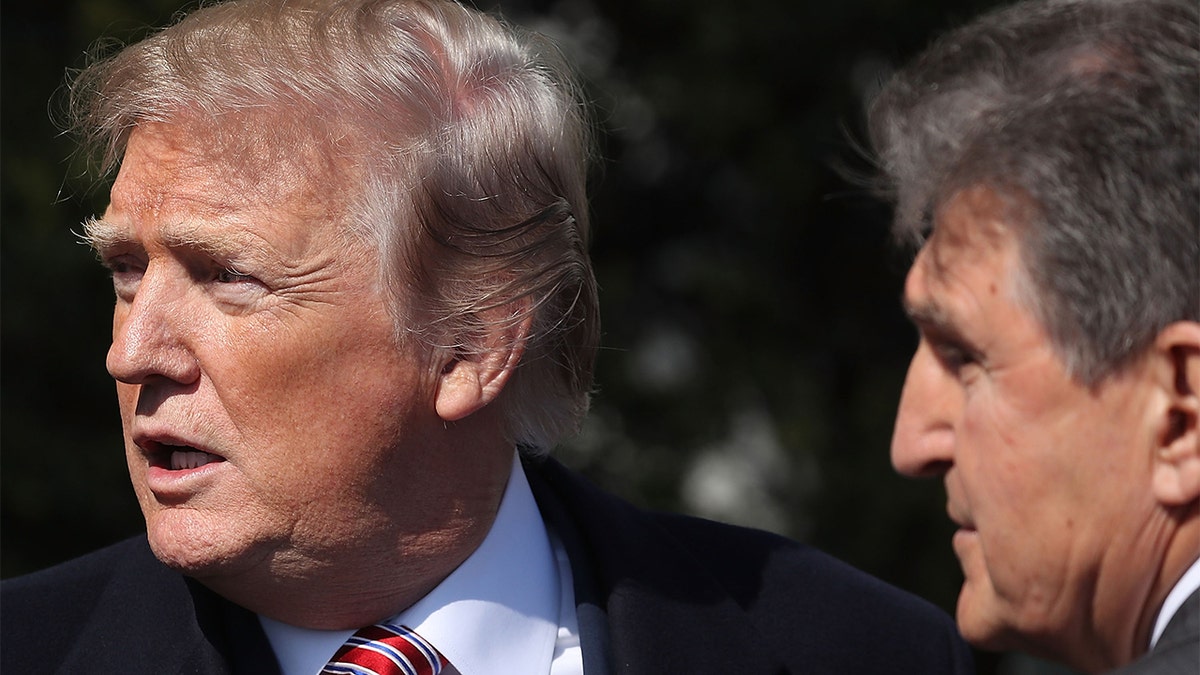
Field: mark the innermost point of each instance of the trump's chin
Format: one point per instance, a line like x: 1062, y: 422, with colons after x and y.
x: 187, y: 541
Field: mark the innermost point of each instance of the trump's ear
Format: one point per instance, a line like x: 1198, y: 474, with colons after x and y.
x: 1177, y: 371
x: 471, y: 378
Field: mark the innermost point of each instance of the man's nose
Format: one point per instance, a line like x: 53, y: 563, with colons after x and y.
x: 924, y: 436
x: 151, y: 335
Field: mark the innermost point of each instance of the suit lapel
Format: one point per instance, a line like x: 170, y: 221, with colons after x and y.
x: 152, y: 620
x: 1177, y: 651
x: 1184, y: 627
x: 644, y: 605
x: 234, y: 634
x: 590, y: 603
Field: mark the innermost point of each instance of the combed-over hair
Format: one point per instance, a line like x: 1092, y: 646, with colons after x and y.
x: 1083, y: 115
x: 466, y: 148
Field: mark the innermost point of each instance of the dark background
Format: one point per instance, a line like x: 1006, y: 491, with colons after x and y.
x: 754, y: 346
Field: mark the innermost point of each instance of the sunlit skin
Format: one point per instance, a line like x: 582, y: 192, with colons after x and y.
x: 250, y: 331
x: 1051, y: 482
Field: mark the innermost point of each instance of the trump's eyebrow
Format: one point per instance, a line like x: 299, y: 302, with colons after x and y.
x: 105, y: 236
x: 102, y: 235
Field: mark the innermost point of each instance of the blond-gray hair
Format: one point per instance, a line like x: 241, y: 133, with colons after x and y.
x: 467, y: 146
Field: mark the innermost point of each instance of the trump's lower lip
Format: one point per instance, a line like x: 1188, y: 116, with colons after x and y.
x: 180, y: 473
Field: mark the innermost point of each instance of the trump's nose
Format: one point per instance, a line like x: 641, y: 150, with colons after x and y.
x: 150, y: 335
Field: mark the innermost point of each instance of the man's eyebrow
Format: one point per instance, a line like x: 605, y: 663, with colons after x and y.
x: 103, y: 235
x: 929, y: 316
x: 218, y: 243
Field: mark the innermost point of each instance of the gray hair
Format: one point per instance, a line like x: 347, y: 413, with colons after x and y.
x: 1084, y: 115
x: 467, y: 150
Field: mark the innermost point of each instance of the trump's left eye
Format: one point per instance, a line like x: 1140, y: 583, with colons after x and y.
x: 229, y: 275
x: 233, y: 288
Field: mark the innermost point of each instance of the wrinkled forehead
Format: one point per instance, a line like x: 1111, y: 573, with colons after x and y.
x: 972, y: 227
x: 968, y: 276
x: 236, y: 161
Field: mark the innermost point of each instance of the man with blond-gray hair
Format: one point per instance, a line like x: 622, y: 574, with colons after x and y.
x: 354, y: 310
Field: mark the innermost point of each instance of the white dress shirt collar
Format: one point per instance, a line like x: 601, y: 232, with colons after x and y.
x: 498, y: 613
x: 1183, y: 589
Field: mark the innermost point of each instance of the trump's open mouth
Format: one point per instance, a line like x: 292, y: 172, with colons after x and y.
x: 181, y: 458
x: 175, y: 456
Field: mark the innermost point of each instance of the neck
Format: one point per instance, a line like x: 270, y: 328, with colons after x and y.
x: 1182, y: 552
x: 1181, y: 555
x: 405, y: 549
x: 1140, y: 568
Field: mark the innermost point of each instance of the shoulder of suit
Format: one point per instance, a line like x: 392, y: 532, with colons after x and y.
x: 44, y: 610
x: 803, y: 602
x: 78, y: 575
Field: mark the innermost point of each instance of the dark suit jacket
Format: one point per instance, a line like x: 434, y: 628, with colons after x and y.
x: 1177, y: 651
x: 656, y: 594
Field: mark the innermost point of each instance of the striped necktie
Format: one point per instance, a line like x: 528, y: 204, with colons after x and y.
x: 386, y: 649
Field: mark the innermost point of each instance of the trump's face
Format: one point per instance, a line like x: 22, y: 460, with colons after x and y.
x: 271, y: 417
x: 1047, y: 479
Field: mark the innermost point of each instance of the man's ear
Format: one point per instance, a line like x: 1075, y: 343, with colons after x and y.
x: 470, y: 379
x: 1177, y: 371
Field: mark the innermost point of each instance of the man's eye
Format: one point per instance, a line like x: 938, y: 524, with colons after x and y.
x: 232, y: 276
x: 126, y: 275
x: 233, y: 287
x: 955, y: 357
x: 123, y: 265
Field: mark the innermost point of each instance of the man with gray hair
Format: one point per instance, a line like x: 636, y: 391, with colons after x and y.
x: 1046, y: 160
x: 354, y: 310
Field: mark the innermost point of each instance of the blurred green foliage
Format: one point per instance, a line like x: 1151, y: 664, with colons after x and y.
x: 754, y: 345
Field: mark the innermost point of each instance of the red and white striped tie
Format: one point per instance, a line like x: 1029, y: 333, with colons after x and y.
x: 386, y: 649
